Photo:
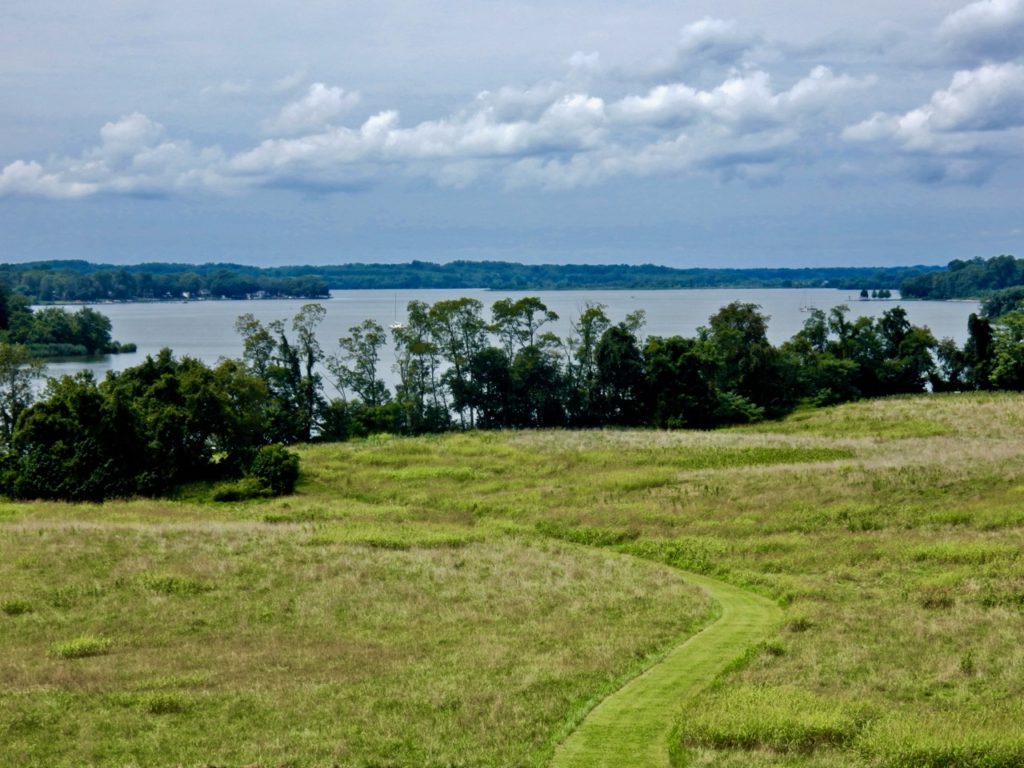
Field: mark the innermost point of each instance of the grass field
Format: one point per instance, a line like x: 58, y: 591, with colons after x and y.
x: 466, y: 599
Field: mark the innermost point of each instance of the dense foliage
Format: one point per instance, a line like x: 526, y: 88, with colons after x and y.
x: 143, y: 431
x: 53, y: 331
x: 56, y: 281
x: 458, y: 369
x: 966, y: 279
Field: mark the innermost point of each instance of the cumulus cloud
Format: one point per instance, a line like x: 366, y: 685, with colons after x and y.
x: 989, y: 30
x: 318, y: 109
x: 962, y: 130
x: 989, y: 99
x: 31, y: 180
x: 550, y: 134
x: 741, y: 100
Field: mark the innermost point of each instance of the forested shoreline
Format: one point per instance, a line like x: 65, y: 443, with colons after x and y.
x: 81, y: 281
x: 167, y: 422
x: 54, y: 331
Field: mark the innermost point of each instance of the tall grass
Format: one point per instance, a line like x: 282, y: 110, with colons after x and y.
x: 453, y: 600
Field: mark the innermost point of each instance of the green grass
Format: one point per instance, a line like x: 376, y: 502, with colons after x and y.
x: 248, y: 643
x: 81, y: 647
x: 467, y: 599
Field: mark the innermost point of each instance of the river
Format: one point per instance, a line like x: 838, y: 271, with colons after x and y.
x: 205, y: 329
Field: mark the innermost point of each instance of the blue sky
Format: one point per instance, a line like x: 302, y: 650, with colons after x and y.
x: 733, y: 133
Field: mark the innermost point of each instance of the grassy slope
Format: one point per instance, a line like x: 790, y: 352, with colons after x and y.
x: 242, y: 643
x: 891, y: 531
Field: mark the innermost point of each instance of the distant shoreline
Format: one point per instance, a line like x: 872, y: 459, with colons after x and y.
x: 65, y: 282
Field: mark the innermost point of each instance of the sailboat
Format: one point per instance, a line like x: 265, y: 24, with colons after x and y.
x: 396, y: 326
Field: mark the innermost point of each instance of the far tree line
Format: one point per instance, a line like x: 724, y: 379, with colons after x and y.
x: 82, y: 281
x: 168, y: 422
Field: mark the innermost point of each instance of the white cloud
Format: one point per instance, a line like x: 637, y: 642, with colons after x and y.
x: 989, y: 99
x: 989, y: 30
x: 961, y: 133
x: 129, y: 134
x: 30, y: 180
x: 742, y: 100
x: 556, y: 133
x: 318, y: 109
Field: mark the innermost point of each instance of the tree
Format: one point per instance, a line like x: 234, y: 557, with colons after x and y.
x: 419, y: 395
x: 516, y: 323
x: 18, y: 373
x: 619, y: 383
x: 70, y: 446
x: 356, y: 367
x: 144, y: 430
x: 289, y: 370
x: 538, y: 387
x: 487, y: 390
x: 581, y: 360
x: 458, y: 332
x: 680, y: 384
x: 1008, y: 351
x: 978, y: 351
x: 748, y: 369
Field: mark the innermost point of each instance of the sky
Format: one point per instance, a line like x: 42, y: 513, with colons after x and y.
x: 731, y: 133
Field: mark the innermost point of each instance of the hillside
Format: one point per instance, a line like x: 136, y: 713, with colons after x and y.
x: 466, y: 599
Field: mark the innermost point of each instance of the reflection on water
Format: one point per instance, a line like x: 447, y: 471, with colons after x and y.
x: 205, y: 329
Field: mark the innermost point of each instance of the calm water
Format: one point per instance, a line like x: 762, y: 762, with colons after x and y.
x: 205, y: 330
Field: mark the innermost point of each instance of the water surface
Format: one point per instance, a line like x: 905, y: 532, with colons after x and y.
x: 205, y: 329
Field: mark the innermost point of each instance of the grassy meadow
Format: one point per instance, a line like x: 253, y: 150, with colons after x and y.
x: 463, y: 600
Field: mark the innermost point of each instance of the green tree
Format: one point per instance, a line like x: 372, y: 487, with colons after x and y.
x: 459, y: 332
x: 356, y: 368
x: 1008, y: 351
x: 18, y: 373
x: 581, y: 360
x: 420, y: 397
x: 517, y: 323
x: 619, y: 384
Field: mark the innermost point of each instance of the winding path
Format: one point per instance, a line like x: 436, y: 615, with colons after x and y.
x: 631, y: 728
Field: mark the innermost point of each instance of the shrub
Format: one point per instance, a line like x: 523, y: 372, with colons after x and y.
x: 16, y: 607
x: 241, y: 490
x: 169, y: 584
x: 81, y: 647
x: 276, y: 468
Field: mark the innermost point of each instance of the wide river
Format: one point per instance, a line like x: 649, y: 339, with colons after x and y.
x: 205, y: 329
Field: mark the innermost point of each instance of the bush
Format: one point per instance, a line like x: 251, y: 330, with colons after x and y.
x: 276, y: 468
x: 16, y: 607
x: 81, y: 647
x: 241, y: 490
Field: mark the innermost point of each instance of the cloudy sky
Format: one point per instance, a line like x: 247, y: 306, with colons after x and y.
x: 727, y: 133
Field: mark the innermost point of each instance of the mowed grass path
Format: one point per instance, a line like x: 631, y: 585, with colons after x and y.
x: 633, y: 726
